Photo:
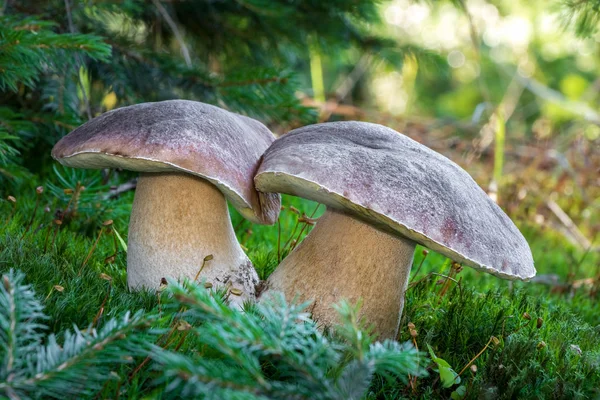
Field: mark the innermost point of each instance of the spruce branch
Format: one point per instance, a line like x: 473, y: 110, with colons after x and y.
x: 79, y: 62
x: 274, y: 350
x: 17, y: 130
x: 261, y: 92
x: 169, y: 20
x: 82, y: 364
x: 7, y: 146
x: 385, y: 358
x: 583, y: 15
x: 31, y: 42
x: 20, y: 324
x: 78, y: 365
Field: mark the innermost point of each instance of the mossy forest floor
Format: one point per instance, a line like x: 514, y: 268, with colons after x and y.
x: 506, y: 339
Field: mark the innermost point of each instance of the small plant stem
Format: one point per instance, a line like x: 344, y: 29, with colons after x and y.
x: 454, y: 269
x: 470, y: 386
x: 286, y: 244
x: 159, y: 304
x: 165, y: 338
x: 521, y: 327
x: 200, y: 270
x: 110, y: 230
x: 98, y: 396
x: 411, y: 383
x: 437, y: 274
x: 413, y: 379
x: 54, y: 235
x: 295, y: 211
x: 58, y: 223
x: 46, y: 240
x: 50, y: 293
x: 451, y: 279
x: 37, y: 202
x: 413, y: 284
x: 14, y: 210
x: 245, y: 239
x: 420, y: 265
x: 236, y: 227
x: 40, y: 226
x: 118, y: 394
x: 477, y: 356
x: 101, y: 310
x: 138, y: 368
x: 181, y: 341
x: 446, y: 283
x: 170, y: 342
x: 91, y: 250
x: 69, y: 203
x: 115, y: 240
x: 207, y: 258
x: 278, y: 240
x: 60, y: 220
x: 293, y: 244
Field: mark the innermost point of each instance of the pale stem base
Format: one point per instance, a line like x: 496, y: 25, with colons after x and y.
x: 344, y: 258
x: 176, y: 221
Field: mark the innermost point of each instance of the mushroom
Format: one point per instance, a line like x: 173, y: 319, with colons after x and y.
x: 192, y: 157
x: 384, y: 194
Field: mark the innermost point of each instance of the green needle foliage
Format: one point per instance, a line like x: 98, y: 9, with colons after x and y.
x: 582, y: 15
x: 20, y: 322
x: 34, y: 365
x: 274, y: 350
x: 30, y: 41
x: 263, y: 353
x: 29, y: 51
x: 62, y: 62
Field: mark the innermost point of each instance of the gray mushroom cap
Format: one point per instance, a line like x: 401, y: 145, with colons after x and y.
x: 398, y: 185
x: 182, y: 136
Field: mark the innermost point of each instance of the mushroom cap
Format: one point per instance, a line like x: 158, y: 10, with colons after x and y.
x: 183, y: 136
x: 398, y: 185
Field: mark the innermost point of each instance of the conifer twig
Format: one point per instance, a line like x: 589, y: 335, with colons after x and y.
x: 184, y: 50
x: 79, y: 63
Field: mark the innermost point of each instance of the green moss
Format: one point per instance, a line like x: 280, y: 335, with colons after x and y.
x: 561, y: 359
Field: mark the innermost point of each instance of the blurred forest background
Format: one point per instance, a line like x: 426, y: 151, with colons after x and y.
x: 508, y: 89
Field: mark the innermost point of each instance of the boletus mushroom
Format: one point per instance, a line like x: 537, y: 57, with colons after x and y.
x: 384, y: 193
x: 192, y: 157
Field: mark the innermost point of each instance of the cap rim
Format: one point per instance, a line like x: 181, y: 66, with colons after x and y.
x: 230, y: 194
x: 321, y: 194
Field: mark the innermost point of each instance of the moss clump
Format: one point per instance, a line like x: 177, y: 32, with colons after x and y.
x: 555, y: 357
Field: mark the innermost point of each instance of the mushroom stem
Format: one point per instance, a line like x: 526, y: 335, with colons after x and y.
x: 176, y: 221
x: 345, y: 258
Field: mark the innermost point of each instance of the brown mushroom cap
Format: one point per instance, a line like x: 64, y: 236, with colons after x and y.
x: 398, y: 185
x: 179, y: 135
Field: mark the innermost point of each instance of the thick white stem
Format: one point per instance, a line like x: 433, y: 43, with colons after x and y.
x: 176, y: 221
x: 346, y: 258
